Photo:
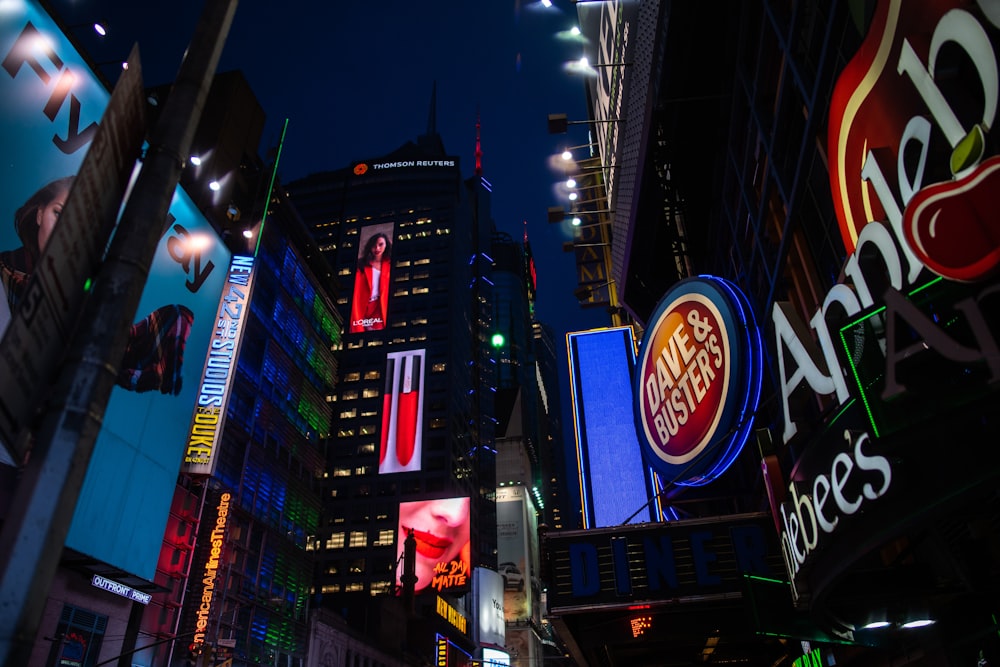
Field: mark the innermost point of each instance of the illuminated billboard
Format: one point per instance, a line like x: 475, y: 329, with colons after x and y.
x: 220, y: 367
x: 488, y: 599
x: 698, y: 380
x: 615, y: 482
x: 517, y: 528
x: 401, y: 439
x: 50, y: 105
x: 370, y: 303
x: 440, y: 528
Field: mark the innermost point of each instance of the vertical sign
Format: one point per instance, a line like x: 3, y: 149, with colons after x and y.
x: 220, y: 365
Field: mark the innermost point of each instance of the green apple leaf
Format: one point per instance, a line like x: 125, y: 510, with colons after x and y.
x: 969, y: 150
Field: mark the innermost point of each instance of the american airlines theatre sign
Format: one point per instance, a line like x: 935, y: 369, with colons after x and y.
x: 905, y: 348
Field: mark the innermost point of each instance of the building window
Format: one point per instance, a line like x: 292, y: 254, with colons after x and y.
x: 367, y: 448
x: 386, y: 538
x: 349, y: 395
x: 312, y: 544
x: 371, y: 392
x: 368, y: 429
x: 359, y: 538
x: 418, y: 321
x: 331, y: 588
x: 425, y: 260
x: 363, y: 470
x: 373, y: 375
x: 349, y: 414
x: 354, y: 587
x: 438, y: 368
x: 403, y: 262
x: 336, y: 541
x: 401, y: 292
x: 438, y: 422
x: 346, y: 271
x: 379, y: 587
x: 341, y: 472
x: 345, y: 433
x: 375, y: 342
x: 369, y: 413
x: 421, y: 290
x: 352, y: 377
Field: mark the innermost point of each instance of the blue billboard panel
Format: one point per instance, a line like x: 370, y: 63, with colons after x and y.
x: 615, y: 482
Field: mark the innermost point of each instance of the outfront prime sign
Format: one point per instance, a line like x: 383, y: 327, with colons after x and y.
x: 698, y: 380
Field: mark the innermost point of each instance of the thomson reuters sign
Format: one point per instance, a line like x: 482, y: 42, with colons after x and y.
x: 698, y: 380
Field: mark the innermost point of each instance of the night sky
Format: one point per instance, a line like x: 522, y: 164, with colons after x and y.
x: 355, y: 79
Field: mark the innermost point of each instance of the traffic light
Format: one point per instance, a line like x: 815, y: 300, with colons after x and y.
x: 194, y: 653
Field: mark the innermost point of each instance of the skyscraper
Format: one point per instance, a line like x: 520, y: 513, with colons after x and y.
x: 414, y: 407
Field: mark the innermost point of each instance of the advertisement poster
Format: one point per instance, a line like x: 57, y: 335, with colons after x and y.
x: 441, y: 530
x: 50, y: 107
x: 369, y: 307
x: 401, y: 439
x: 516, y: 525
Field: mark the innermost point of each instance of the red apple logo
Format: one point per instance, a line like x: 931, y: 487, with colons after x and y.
x: 954, y: 227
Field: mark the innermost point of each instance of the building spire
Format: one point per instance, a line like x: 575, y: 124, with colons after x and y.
x: 479, y: 147
x: 432, y: 114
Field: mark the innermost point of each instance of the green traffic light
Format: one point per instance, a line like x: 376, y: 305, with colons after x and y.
x: 498, y: 340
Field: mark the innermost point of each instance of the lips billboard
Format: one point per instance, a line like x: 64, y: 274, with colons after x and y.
x: 440, y: 529
x: 909, y: 136
x: 698, y: 380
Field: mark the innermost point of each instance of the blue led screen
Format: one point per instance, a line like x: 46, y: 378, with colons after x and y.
x: 613, y: 476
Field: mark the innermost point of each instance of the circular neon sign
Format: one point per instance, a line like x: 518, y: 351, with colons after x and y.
x: 698, y: 380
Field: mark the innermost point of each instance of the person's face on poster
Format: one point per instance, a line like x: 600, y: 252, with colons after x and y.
x: 48, y: 216
x: 441, y: 530
x: 378, y: 249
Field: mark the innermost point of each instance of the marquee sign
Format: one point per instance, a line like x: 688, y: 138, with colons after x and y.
x: 698, y: 380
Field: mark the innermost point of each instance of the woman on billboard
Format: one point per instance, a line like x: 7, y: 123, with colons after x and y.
x: 441, y: 531
x: 371, y: 285
x: 156, y: 343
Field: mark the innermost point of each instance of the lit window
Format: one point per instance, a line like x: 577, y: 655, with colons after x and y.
x: 355, y: 344
x: 362, y: 470
x: 439, y: 423
x: 376, y: 342
x: 345, y: 433
x: 422, y: 275
x: 401, y: 292
x: 397, y: 341
x: 369, y: 413
x: 371, y: 392
x: 443, y: 231
x: 403, y: 262
x: 349, y: 414
x: 331, y: 398
x: 346, y: 271
x: 417, y: 339
x: 420, y: 290
x: 352, y: 377
x: 386, y: 538
x: 312, y: 544
x: 423, y: 234
x: 368, y: 448
x: 336, y: 541
x: 425, y: 260
x: 373, y: 375
x: 367, y: 429
x: 342, y: 301
x: 438, y: 368
x: 401, y: 278
x: 352, y: 231
x: 354, y: 587
x: 418, y: 321
x: 349, y: 395
x: 380, y: 587
x: 331, y: 588
x: 404, y: 237
x: 341, y: 472
x: 359, y: 538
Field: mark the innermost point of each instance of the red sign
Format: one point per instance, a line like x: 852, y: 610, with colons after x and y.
x: 907, y: 136
x: 698, y: 380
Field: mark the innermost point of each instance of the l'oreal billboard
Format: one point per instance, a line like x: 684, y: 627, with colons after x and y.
x: 441, y: 530
x: 372, y: 279
x: 50, y: 104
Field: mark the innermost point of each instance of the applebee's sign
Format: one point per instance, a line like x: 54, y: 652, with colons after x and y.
x: 698, y: 380
x: 913, y: 183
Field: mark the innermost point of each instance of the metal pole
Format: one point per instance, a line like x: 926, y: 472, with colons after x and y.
x: 50, y: 486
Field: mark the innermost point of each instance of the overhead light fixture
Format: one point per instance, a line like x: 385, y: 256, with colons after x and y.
x: 559, y: 123
x: 570, y: 183
x: 917, y: 623
x: 214, y: 186
x: 196, y: 160
x: 247, y: 234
